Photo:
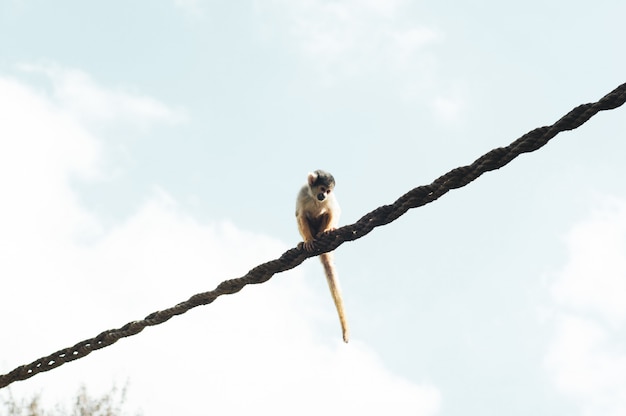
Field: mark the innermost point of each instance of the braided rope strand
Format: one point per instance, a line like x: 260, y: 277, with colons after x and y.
x: 456, y: 178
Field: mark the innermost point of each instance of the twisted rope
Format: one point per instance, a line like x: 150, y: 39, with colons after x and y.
x: 416, y: 197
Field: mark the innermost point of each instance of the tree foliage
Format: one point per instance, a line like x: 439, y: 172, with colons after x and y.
x: 83, y: 404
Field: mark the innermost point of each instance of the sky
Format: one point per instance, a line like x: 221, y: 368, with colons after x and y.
x: 152, y: 149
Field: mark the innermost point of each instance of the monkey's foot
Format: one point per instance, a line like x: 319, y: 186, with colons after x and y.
x: 323, y: 233
x: 306, y: 245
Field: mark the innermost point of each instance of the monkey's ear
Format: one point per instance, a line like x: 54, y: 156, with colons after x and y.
x: 312, y: 178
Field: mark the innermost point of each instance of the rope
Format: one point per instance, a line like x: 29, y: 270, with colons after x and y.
x: 416, y: 197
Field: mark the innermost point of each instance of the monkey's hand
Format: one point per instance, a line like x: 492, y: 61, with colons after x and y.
x: 323, y: 233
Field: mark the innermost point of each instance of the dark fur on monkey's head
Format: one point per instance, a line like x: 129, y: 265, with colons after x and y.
x: 321, y: 177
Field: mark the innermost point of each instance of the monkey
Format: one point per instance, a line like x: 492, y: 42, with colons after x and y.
x: 317, y: 213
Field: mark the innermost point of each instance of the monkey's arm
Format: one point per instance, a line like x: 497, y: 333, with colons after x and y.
x: 305, y: 231
x: 326, y: 223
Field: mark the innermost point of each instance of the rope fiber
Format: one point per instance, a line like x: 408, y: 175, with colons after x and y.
x: 416, y: 197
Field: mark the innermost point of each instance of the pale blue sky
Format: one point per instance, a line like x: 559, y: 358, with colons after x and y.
x: 150, y: 150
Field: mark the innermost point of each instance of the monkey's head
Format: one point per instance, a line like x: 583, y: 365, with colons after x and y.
x: 321, y: 183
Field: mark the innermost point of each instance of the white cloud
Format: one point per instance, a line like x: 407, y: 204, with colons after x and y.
x: 587, y: 364
x: 76, y: 92
x: 254, y: 352
x: 587, y: 357
x: 594, y: 279
x: 41, y: 147
x: 343, y: 38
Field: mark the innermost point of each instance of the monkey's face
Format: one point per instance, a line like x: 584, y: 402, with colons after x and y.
x: 321, y: 184
x: 321, y: 192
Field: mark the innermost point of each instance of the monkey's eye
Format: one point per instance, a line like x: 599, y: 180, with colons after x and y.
x: 322, y: 189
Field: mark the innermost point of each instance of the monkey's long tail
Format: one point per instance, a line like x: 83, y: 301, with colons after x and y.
x: 335, y: 291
